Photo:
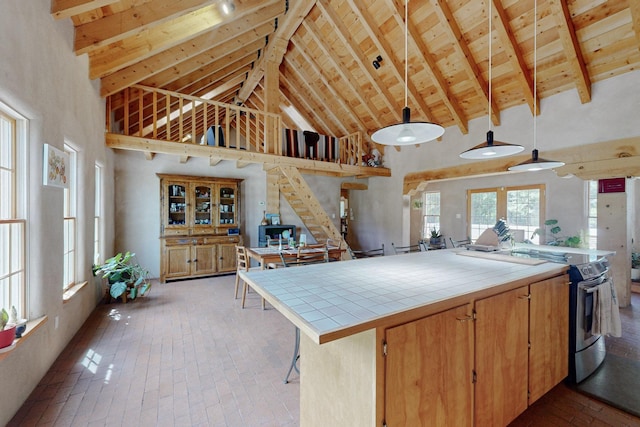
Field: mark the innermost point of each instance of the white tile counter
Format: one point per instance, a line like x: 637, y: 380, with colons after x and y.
x: 338, y: 299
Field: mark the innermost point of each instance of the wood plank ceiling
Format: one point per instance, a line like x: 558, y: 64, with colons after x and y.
x: 325, y: 50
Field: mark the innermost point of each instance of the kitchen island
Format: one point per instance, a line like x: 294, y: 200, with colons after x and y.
x: 420, y: 335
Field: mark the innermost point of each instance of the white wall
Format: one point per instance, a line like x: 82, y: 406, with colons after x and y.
x: 382, y: 213
x: 43, y: 80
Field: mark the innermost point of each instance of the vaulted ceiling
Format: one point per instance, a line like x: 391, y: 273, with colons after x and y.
x: 324, y: 53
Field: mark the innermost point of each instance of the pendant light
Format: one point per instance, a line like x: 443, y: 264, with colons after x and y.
x: 535, y: 163
x: 491, y: 149
x: 407, y: 132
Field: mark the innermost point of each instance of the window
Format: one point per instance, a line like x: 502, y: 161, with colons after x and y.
x: 592, y: 188
x: 12, y: 223
x: 521, y: 207
x: 431, y: 218
x: 97, y: 219
x: 69, y: 237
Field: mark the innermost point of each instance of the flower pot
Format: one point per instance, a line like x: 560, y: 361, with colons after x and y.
x: 7, y: 336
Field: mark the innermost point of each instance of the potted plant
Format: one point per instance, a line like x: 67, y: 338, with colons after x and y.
x: 556, y: 238
x: 125, y: 277
x: 7, y: 330
x: 435, y: 239
x: 635, y: 265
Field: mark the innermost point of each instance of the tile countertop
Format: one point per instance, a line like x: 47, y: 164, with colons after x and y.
x: 337, y: 299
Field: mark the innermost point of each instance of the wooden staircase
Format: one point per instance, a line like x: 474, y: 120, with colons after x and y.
x: 300, y: 197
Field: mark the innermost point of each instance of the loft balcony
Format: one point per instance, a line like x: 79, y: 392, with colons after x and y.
x: 154, y: 121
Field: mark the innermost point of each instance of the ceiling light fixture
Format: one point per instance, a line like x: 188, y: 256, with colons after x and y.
x: 535, y: 163
x: 228, y: 6
x: 491, y: 149
x: 407, y: 132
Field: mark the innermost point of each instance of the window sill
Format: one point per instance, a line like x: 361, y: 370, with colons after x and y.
x: 69, y: 293
x: 32, y: 326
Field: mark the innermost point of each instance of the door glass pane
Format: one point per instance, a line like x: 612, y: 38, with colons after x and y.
x: 484, y: 212
x: 203, y: 205
x: 177, y: 204
x: 523, y: 213
x: 227, y: 205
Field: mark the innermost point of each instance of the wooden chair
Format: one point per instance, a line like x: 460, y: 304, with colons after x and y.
x: 242, y: 264
x: 405, y: 249
x: 460, y: 243
x: 370, y: 253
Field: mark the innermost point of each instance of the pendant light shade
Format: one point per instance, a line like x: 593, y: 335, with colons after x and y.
x: 535, y: 163
x: 490, y: 149
x: 407, y: 132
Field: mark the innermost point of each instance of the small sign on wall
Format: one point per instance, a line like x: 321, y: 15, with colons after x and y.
x: 611, y: 185
x: 56, y: 167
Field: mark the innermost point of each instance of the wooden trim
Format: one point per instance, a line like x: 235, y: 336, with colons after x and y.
x: 607, y: 159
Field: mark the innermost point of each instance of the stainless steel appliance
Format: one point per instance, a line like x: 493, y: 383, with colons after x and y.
x: 586, y: 349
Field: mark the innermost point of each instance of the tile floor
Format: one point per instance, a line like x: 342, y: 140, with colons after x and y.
x: 187, y: 355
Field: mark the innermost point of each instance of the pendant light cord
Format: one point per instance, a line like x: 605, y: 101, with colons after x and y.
x: 489, y: 3
x: 535, y: 69
x: 406, y: 50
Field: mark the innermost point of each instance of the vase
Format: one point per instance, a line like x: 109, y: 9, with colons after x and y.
x: 264, y: 218
x: 7, y: 336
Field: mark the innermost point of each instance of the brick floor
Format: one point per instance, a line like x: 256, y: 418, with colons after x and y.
x: 188, y: 355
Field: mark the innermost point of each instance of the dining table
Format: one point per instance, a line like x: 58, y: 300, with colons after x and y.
x: 271, y: 254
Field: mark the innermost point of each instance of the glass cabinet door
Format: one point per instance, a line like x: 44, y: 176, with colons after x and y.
x: 227, y: 206
x: 177, y: 205
x: 202, y: 212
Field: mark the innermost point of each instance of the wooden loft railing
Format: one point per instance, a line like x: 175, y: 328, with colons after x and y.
x: 158, y: 115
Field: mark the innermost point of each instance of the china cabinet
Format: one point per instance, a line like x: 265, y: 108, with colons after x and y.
x: 199, y: 225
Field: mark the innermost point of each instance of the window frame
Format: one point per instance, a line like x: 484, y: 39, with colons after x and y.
x: 427, y: 225
x: 70, y: 234
x: 13, y: 221
x: 502, y: 203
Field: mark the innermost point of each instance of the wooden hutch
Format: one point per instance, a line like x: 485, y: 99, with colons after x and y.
x: 199, y: 226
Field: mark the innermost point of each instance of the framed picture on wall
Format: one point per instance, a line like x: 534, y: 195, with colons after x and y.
x: 55, y: 167
x: 275, y: 220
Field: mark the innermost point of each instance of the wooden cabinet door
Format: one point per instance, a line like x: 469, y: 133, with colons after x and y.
x: 175, y: 205
x: 178, y: 261
x: 227, y: 257
x: 501, y: 344
x: 204, y: 259
x: 429, y: 371
x: 548, y: 335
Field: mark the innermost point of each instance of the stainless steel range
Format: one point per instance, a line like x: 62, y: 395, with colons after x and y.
x: 586, y: 349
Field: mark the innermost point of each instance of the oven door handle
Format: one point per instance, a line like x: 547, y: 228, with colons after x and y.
x: 592, y: 289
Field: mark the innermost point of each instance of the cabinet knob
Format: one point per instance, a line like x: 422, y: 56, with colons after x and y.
x: 195, y: 260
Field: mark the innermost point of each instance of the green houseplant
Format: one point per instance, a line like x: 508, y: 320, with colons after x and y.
x: 435, y: 238
x: 124, y: 274
x: 556, y: 238
x: 635, y: 265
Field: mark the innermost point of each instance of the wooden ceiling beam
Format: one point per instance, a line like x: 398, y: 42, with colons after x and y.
x: 339, y: 66
x: 216, y: 79
x: 509, y: 44
x: 571, y: 46
x: 223, y: 37
x: 454, y: 34
x: 351, y: 48
x: 113, y: 57
x: 634, y: 7
x: 198, y: 67
x: 130, y: 22
x: 383, y: 46
x: 606, y: 159
x: 290, y: 93
x: 61, y: 9
x: 287, y: 25
x: 305, y: 91
x: 334, y: 97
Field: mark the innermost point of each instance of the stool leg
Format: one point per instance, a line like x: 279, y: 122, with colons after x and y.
x: 296, y: 356
x: 244, y: 293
